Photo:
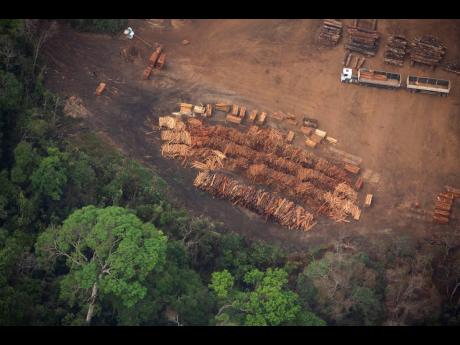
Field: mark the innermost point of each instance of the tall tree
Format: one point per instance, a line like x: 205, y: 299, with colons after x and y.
x: 107, y: 251
x: 268, y: 303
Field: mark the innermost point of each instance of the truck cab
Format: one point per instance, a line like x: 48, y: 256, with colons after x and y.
x: 347, y: 76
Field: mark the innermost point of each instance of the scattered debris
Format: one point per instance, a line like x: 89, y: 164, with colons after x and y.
x: 185, y: 42
x: 310, y: 143
x: 308, y: 122
x: 74, y: 107
x: 331, y: 140
x: 453, y: 67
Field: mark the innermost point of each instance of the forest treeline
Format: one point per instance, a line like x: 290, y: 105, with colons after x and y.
x: 88, y: 236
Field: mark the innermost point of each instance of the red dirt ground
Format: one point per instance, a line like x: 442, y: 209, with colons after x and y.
x: 409, y: 143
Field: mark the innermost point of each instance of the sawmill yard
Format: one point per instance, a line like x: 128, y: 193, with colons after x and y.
x: 406, y: 145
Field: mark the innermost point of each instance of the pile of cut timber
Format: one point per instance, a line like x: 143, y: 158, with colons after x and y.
x: 395, y: 50
x: 444, y: 202
x: 234, y: 119
x: 283, y: 211
x: 453, y: 67
x: 363, y: 41
x: 152, y: 62
x: 330, y: 32
x: 427, y: 50
x: 222, y: 107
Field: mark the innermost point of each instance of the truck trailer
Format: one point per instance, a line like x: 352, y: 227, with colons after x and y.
x: 428, y: 85
x: 393, y: 80
x: 374, y: 78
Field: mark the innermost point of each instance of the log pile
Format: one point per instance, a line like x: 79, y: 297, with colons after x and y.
x: 171, y: 123
x: 176, y: 137
x: 427, y: 50
x: 443, y: 206
x: 395, y: 50
x: 267, y: 204
x: 363, y: 41
x: 262, y: 156
x: 330, y: 32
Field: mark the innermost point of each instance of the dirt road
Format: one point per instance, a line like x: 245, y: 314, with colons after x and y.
x: 409, y: 143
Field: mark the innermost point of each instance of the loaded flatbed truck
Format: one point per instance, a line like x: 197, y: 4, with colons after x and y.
x: 369, y: 77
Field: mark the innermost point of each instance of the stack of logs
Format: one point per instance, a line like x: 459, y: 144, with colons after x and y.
x: 330, y: 33
x: 268, y: 204
x: 444, y: 202
x: 395, y: 50
x: 427, y: 50
x: 262, y: 156
x: 363, y: 41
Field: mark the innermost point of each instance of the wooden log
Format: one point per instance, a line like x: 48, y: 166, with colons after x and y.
x: 310, y: 143
x: 307, y: 130
x: 440, y: 219
x: 242, y: 113
x: 234, y: 110
x: 368, y: 200
x: 252, y: 115
x: 261, y: 119
x: 352, y: 168
x: 208, y: 112
x: 154, y: 56
x: 290, y: 137
x: 147, y: 72
x: 161, y: 61
x: 454, y: 191
x: 359, y: 183
x: 442, y: 213
x: 100, y: 89
x: 233, y: 119
x: 222, y: 107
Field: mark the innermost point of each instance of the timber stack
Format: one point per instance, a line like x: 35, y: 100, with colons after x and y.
x: 330, y: 32
x: 443, y: 206
x: 427, y: 50
x: 363, y: 41
x: 396, y: 50
x: 283, y: 211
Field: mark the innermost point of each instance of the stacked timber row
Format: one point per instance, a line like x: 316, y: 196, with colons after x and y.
x: 281, y: 210
x: 263, y: 156
x: 427, y: 50
x: 443, y: 206
x: 363, y: 41
x: 396, y: 50
x: 330, y: 32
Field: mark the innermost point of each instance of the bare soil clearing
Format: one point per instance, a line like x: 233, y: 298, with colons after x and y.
x: 409, y: 143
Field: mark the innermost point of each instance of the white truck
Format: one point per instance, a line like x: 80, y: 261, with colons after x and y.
x: 428, y: 85
x: 391, y: 80
x: 370, y: 77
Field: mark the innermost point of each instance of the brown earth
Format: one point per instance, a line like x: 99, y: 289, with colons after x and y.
x: 409, y: 143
